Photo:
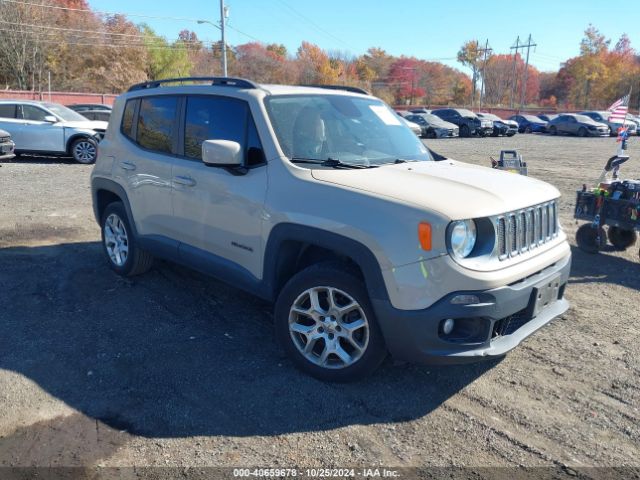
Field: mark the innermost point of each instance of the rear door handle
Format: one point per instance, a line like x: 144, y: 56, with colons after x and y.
x: 127, y: 166
x: 186, y: 181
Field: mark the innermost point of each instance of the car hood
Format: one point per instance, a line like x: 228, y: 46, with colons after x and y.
x: 442, y: 124
x: 455, y: 189
x: 86, y: 125
x: 511, y: 123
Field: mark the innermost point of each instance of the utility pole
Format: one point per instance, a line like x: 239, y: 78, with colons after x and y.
x: 526, y: 72
x: 223, y: 16
x: 514, y: 76
x: 475, y: 76
x: 486, y: 50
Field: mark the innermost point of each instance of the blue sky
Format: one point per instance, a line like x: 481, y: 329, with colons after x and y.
x: 427, y: 29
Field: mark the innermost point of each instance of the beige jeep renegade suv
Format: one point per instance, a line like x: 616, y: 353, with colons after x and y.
x: 322, y: 201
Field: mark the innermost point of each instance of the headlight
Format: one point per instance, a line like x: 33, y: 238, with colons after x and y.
x: 463, y: 237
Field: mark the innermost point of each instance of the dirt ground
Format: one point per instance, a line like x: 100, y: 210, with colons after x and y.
x: 175, y: 369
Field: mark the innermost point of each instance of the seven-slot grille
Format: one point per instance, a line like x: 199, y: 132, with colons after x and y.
x: 524, y: 230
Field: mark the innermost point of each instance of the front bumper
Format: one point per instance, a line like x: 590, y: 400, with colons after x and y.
x: 7, y: 150
x: 504, y: 317
x: 598, y: 133
x: 447, y: 132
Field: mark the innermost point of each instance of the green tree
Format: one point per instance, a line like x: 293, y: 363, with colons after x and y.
x: 165, y: 60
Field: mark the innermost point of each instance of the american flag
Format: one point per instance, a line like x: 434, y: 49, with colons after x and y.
x: 619, y: 109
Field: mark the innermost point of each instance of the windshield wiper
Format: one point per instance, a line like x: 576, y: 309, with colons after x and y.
x: 330, y: 162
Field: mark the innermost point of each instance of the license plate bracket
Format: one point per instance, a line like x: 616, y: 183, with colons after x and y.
x: 544, y: 295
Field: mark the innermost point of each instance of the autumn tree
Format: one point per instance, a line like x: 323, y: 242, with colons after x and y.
x: 314, y: 64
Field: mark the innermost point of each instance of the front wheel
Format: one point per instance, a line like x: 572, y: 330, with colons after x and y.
x: 325, y: 323
x: 582, y: 132
x: 528, y: 129
x: 553, y: 130
x: 591, y: 239
x: 84, y: 150
x: 464, y: 131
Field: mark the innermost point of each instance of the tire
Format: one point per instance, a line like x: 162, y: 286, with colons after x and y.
x: 553, y: 130
x: 84, y: 150
x: 124, y: 255
x: 621, y: 239
x: 431, y: 134
x: 464, y: 131
x: 528, y: 129
x: 591, y: 239
x: 511, y: 134
x: 582, y: 132
x: 362, y: 349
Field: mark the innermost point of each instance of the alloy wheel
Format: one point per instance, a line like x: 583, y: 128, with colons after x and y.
x: 84, y: 151
x: 116, y: 240
x: 329, y: 327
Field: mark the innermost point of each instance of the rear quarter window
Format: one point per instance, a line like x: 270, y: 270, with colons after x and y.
x: 127, y: 118
x: 7, y: 111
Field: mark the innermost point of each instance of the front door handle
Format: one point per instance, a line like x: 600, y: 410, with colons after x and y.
x: 186, y: 181
x: 127, y: 166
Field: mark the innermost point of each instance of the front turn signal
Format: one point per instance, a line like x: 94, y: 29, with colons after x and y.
x: 424, y: 234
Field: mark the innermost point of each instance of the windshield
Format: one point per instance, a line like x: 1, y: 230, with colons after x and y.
x: 351, y: 130
x: 491, y: 116
x: 430, y: 117
x: 466, y: 113
x: 65, y: 113
x: 584, y: 118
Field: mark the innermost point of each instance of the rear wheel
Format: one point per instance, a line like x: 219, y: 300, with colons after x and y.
x: 591, y: 239
x: 620, y: 238
x: 84, y: 150
x: 325, y: 323
x: 124, y: 254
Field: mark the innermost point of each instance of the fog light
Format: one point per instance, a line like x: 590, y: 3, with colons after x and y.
x: 447, y: 326
x: 465, y: 300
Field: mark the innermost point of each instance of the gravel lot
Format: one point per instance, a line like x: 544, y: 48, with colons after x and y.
x: 176, y: 369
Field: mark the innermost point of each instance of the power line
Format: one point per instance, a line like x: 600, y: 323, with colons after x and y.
x: 48, y: 41
x: 97, y: 34
x: 314, y: 24
x: 106, y: 13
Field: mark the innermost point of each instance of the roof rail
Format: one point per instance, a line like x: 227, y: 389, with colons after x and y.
x: 346, y: 88
x: 219, y: 81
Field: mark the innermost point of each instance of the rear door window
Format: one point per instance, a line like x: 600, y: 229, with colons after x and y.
x: 156, y: 127
x: 8, y: 111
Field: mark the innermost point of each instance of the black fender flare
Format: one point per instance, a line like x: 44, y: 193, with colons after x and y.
x: 98, y: 184
x: 340, y: 244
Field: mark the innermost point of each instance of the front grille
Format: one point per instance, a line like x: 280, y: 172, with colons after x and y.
x: 524, y: 230
x: 510, y: 325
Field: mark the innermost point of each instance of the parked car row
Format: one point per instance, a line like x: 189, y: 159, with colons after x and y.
x: 453, y: 122
x: 45, y: 128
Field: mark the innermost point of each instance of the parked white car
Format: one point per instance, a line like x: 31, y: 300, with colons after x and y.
x: 6, y: 146
x: 51, y: 129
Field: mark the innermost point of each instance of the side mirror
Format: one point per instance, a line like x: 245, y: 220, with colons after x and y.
x: 50, y: 119
x: 221, y: 153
